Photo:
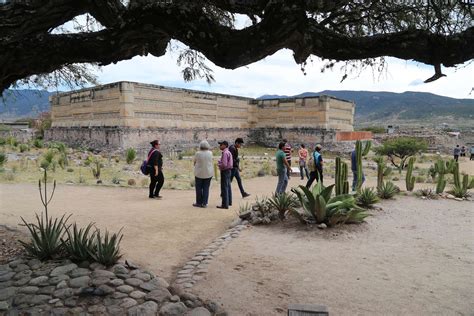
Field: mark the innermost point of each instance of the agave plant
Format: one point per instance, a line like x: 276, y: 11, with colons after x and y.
x: 387, y: 190
x: 107, y: 248
x: 130, y: 155
x: 283, y: 202
x: 367, y: 197
x: 319, y: 207
x: 46, y: 236
x: 80, y: 243
x: 427, y: 193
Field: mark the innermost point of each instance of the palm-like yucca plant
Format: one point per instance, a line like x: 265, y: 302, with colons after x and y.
x: 130, y: 155
x: 107, y: 248
x: 80, y: 243
x: 387, y: 190
x: 283, y: 202
x: 367, y: 197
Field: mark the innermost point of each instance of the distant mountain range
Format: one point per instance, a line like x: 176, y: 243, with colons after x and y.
x: 383, y: 107
x: 16, y: 104
x: 371, y: 107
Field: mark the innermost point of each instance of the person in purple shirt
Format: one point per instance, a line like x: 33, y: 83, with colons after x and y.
x: 225, y: 165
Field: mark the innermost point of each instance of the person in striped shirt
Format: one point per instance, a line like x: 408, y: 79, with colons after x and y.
x: 287, y: 151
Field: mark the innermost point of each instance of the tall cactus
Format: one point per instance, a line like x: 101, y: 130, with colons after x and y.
x: 359, y: 152
x: 441, y: 184
x: 367, y: 146
x: 342, y: 185
x: 410, y: 179
x: 382, y: 171
x: 460, y: 188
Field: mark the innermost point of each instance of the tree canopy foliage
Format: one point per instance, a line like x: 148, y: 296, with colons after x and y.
x: 434, y: 32
x: 402, y: 148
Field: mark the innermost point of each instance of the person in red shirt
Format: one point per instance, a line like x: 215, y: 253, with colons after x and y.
x: 303, y: 157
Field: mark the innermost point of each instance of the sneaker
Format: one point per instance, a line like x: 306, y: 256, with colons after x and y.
x: 223, y: 207
x: 245, y: 194
x: 197, y: 205
x: 204, y: 205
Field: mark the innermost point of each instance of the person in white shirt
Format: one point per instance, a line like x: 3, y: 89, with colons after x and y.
x: 203, y: 173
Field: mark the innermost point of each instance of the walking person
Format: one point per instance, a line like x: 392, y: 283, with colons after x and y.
x: 317, y: 173
x: 234, y: 150
x: 287, y: 150
x: 155, y: 165
x: 456, y: 152
x: 463, y: 151
x: 354, y: 170
x: 303, y: 156
x: 203, y: 173
x: 282, y: 167
x: 472, y: 153
x: 225, y: 167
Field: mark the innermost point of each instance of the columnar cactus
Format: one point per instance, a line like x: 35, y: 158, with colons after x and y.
x: 410, y: 179
x: 460, y: 188
x: 342, y: 185
x: 359, y: 152
x: 366, y: 150
x: 441, y: 184
x: 382, y: 171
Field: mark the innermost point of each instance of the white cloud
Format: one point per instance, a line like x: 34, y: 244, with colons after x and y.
x: 278, y: 74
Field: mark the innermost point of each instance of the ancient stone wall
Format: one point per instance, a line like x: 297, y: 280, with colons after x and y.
x: 128, y: 114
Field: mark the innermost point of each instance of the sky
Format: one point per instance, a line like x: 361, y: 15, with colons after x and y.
x: 279, y: 74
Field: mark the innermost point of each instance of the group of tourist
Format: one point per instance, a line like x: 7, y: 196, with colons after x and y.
x: 228, y: 164
x: 461, y: 152
x: 309, y: 166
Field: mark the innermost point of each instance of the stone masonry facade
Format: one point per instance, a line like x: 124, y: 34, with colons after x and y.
x: 128, y: 114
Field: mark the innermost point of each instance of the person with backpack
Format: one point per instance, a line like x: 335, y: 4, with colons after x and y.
x: 234, y: 150
x: 316, y: 167
x: 155, y: 167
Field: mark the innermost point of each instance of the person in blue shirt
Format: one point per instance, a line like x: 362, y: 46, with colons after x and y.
x: 318, y: 173
x: 354, y: 170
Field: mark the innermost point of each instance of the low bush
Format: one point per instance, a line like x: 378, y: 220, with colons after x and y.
x: 79, y: 244
x: 130, y: 155
x: 3, y: 159
x: 427, y: 193
x: 420, y: 179
x: 38, y: 143
x: 367, y: 197
x: 3, y: 141
x: 283, y: 203
x: 387, y: 190
x: 107, y: 248
x: 23, y: 148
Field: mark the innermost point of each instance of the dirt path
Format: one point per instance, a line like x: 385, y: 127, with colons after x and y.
x: 159, y: 235
x: 414, y: 258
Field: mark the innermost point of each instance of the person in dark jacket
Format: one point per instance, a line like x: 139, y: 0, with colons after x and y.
x: 234, y: 150
x: 155, y: 164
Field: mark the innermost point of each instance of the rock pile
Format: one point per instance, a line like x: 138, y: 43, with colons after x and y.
x: 59, y: 288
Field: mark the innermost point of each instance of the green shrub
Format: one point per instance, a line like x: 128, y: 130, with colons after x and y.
x: 80, y: 243
x: 283, y: 202
x: 420, y: 179
x: 107, y: 248
x: 373, y: 129
x: 63, y: 161
x: 61, y: 147
x: 24, y: 148
x: 116, y: 180
x: 70, y: 170
x: 387, y: 190
x: 427, y: 193
x: 3, y: 141
x: 401, y: 148
x: 96, y: 169
x: 367, y: 197
x: 12, y: 141
x: 3, y: 159
x: 130, y: 155
x: 38, y: 143
x: 319, y: 207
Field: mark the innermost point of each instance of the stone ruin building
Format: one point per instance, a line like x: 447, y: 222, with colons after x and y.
x: 129, y: 114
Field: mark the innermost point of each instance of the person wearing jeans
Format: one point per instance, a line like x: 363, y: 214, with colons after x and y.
x: 303, y: 156
x: 203, y: 173
x: 234, y: 150
x: 225, y: 166
x: 282, y: 167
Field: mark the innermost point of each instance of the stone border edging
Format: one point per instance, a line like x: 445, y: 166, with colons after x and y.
x: 195, y: 269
